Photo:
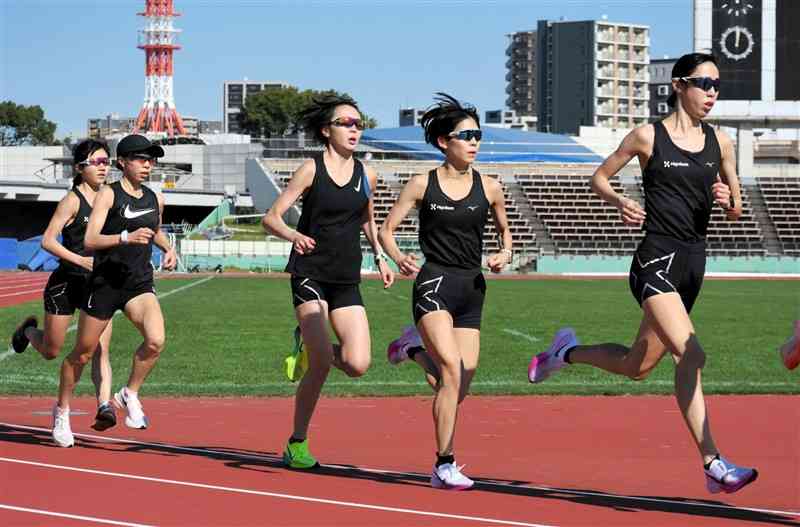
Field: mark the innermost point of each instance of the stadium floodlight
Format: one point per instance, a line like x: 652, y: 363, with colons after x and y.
x: 159, y: 40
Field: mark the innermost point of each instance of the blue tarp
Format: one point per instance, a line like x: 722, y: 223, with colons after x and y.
x: 499, y: 145
x: 8, y: 253
x: 31, y: 256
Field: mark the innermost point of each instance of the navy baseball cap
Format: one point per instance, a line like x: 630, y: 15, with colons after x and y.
x: 135, y: 144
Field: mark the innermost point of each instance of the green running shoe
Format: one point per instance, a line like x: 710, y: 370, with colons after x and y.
x: 297, y: 361
x: 297, y: 455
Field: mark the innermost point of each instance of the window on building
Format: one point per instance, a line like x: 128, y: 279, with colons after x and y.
x: 663, y: 108
x: 663, y: 90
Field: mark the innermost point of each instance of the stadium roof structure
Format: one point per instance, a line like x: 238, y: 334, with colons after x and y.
x: 499, y: 145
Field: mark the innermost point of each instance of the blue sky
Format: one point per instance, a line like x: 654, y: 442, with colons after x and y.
x: 78, y: 58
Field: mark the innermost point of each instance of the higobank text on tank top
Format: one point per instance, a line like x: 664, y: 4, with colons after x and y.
x: 451, y: 231
x: 677, y: 186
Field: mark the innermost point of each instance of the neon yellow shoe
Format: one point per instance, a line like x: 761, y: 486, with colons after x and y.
x: 297, y: 361
x: 298, y: 456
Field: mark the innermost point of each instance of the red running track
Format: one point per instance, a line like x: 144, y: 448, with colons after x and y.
x: 555, y: 461
x: 20, y: 287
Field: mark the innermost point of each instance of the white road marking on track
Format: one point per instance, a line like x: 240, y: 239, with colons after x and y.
x: 380, y: 471
x: 293, y: 497
x: 72, y: 516
x: 516, y: 333
x: 26, y: 283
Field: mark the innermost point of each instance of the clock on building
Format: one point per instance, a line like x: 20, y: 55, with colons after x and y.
x: 736, y: 40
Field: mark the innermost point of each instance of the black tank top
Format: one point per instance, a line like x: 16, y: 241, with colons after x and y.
x: 451, y: 231
x: 677, y: 186
x: 332, y: 216
x: 73, y: 234
x: 127, y: 265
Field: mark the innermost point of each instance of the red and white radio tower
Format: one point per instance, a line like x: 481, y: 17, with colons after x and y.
x: 158, y: 40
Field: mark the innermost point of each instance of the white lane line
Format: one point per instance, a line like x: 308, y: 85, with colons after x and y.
x: 72, y: 516
x: 26, y: 292
x: 10, y: 352
x: 26, y: 283
x: 236, y: 455
x: 293, y: 497
x: 525, y: 336
x: 73, y: 327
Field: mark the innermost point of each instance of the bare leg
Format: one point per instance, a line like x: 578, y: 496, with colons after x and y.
x: 635, y: 362
x: 313, y: 320
x: 675, y: 329
x: 89, y: 331
x: 144, y: 312
x: 49, y: 340
x: 101, y: 368
x: 437, y: 333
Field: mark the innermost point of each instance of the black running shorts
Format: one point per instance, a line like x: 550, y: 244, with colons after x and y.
x: 336, y: 295
x: 65, y: 292
x: 666, y: 265
x: 104, y: 300
x: 459, y: 292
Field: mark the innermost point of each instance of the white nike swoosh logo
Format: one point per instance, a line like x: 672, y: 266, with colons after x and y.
x: 130, y: 214
x: 472, y: 207
x: 358, y: 186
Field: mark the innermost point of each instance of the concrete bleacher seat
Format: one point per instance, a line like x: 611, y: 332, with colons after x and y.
x: 782, y: 199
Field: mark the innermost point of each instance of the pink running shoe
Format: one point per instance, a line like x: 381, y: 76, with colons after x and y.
x: 548, y: 362
x: 724, y: 476
x: 790, y: 351
x: 397, y: 351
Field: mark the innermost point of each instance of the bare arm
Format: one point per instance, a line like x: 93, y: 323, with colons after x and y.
x: 497, y: 201
x: 273, y: 222
x: 162, y: 240
x: 94, y: 240
x: 727, y: 191
x: 371, y: 232
x: 411, y: 194
x: 637, y: 143
x: 65, y: 213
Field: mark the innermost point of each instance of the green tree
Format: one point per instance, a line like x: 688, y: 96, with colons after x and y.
x: 274, y: 111
x: 24, y: 125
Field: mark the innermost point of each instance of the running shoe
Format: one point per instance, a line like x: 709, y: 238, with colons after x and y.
x: 105, y: 418
x: 130, y: 402
x: 397, y: 351
x: 18, y: 340
x: 298, y: 456
x: 449, y: 477
x: 790, y: 351
x: 297, y: 361
x: 724, y: 476
x: 62, y: 432
x: 548, y: 362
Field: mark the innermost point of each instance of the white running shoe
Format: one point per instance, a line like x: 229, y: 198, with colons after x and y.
x: 62, y: 433
x: 724, y: 476
x: 548, y: 362
x: 449, y: 477
x: 130, y: 402
x: 397, y: 351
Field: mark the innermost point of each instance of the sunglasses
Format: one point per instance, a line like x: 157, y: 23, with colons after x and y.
x: 348, y: 122
x: 96, y: 162
x: 467, y: 135
x: 704, y: 83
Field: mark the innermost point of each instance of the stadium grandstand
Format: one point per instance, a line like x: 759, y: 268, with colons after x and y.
x: 215, y: 194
